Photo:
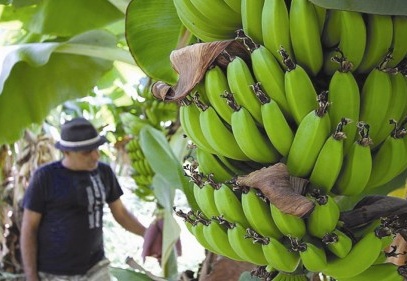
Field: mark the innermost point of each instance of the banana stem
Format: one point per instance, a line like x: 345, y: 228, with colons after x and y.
x: 263, y: 98
x: 247, y: 41
x: 231, y: 101
x: 297, y: 245
x: 363, y: 130
x: 287, y: 60
x: 257, y: 238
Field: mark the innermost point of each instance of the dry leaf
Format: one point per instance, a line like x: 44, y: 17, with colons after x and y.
x: 274, y: 182
x: 191, y: 63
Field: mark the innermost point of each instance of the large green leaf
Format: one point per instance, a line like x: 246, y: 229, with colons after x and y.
x: 384, y: 7
x: 67, y: 18
x: 166, y: 165
x: 123, y: 274
x: 161, y: 157
x: 35, y: 78
x: 153, y: 31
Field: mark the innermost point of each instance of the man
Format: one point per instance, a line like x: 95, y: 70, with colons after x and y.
x: 61, y: 233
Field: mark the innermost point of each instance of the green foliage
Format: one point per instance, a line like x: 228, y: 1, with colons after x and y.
x: 127, y: 274
x: 153, y: 31
x: 169, y: 171
x: 35, y: 79
x: 48, y: 19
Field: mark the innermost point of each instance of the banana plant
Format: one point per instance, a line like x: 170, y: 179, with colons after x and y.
x: 46, y: 60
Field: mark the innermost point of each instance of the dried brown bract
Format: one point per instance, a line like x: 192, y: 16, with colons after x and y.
x: 191, y: 63
x: 275, y: 183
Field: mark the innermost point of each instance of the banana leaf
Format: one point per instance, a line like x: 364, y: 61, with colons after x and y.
x: 35, y: 78
x: 153, y: 31
x: 57, y: 17
x: 169, y: 176
x: 128, y: 275
x: 166, y: 165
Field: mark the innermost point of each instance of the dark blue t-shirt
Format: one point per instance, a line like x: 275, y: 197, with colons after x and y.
x: 70, y: 237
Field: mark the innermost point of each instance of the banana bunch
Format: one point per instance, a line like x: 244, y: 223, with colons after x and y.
x: 210, y: 20
x: 240, y: 223
x: 330, y: 138
x: 305, y: 94
x: 142, y: 172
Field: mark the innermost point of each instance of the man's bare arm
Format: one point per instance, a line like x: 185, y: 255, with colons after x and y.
x: 126, y: 219
x: 29, y: 244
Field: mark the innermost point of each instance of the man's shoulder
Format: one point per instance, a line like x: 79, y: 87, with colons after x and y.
x: 103, y: 166
x: 50, y: 166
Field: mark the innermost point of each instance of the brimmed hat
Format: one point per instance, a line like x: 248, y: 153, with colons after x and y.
x: 79, y: 134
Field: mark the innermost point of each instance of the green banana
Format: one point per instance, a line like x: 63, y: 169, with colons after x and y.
x: 375, y: 99
x: 218, y: 135
x: 217, y: 238
x: 277, y: 127
x: 329, y: 161
x: 229, y: 205
x: 399, y: 43
x: 344, y: 99
x: 338, y: 243
x: 352, y: 29
x: 356, y: 166
x: 321, y: 15
x: 244, y: 247
x: 218, y: 12
x: 312, y: 255
x: 237, y: 167
x: 331, y: 33
x: 284, y: 276
x: 389, y: 159
x: 216, y: 86
x: 361, y: 257
x: 275, y: 25
x: 209, y: 164
x: 308, y: 141
x: 198, y: 232
x: 305, y: 36
x: 383, y: 272
x: 199, y: 25
x: 279, y: 256
x: 257, y: 212
x: 251, y: 139
x: 270, y: 75
x: 189, y: 119
x: 300, y: 92
x: 204, y: 197
x: 235, y: 5
x: 379, y: 41
x: 324, y: 217
x: 147, y: 167
x: 195, y: 223
x: 289, y: 225
x: 240, y: 79
x: 397, y: 105
x: 251, y: 11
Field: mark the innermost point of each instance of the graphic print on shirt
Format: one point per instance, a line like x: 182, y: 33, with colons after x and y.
x: 96, y: 198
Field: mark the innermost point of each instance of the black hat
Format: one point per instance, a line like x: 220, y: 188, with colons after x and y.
x: 79, y: 134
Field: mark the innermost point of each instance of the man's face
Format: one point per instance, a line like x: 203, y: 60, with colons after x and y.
x: 83, y: 160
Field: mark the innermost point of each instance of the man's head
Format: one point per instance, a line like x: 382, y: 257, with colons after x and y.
x: 79, y: 142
